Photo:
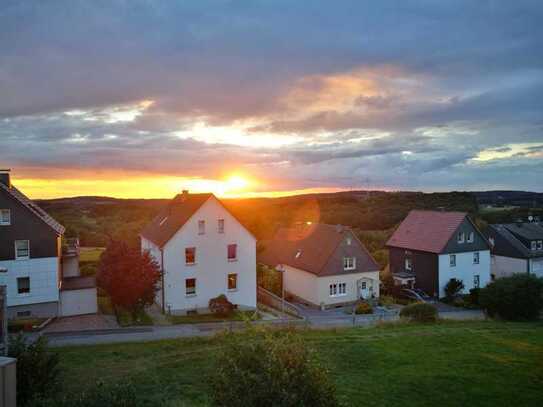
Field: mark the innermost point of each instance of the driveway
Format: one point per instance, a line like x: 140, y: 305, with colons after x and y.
x: 80, y: 323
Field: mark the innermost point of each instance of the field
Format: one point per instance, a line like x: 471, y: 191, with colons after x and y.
x: 449, y: 364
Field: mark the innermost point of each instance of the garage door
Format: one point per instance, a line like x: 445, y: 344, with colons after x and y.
x: 537, y: 267
x: 78, y: 302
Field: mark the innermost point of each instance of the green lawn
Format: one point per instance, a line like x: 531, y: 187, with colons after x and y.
x: 90, y: 254
x: 450, y: 364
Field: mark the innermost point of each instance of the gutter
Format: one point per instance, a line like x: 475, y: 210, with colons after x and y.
x: 162, y: 278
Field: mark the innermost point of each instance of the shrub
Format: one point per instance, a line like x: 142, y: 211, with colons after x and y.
x: 419, y: 312
x: 221, y: 306
x: 453, y: 288
x: 474, y: 296
x: 363, y: 307
x: 261, y: 367
x: 37, y: 368
x: 386, y: 300
x: 519, y: 297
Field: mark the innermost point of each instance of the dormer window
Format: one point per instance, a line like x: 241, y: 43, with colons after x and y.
x: 408, y: 264
x: 534, y: 245
x: 5, y: 217
x: 471, y: 237
x: 461, y: 237
x: 22, y: 250
x: 220, y: 225
x: 540, y: 245
x: 298, y: 253
x: 201, y: 227
x: 349, y: 263
x: 348, y: 241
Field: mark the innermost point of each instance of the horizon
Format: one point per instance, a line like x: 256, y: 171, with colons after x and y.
x: 267, y: 100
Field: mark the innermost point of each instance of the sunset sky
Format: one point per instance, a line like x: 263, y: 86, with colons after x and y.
x: 263, y: 98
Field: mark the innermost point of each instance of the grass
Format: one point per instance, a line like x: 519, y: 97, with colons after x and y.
x: 197, y: 318
x: 448, y: 364
x: 90, y: 254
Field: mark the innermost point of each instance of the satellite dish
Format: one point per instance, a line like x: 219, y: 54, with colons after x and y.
x: 530, y: 218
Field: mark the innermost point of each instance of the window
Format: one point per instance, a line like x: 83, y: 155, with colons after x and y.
x: 298, y: 254
x: 540, y: 245
x: 3, y: 270
x: 220, y: 225
x: 23, y: 314
x: 338, y: 289
x: 232, y: 252
x: 349, y: 263
x: 452, y: 260
x: 5, y: 217
x: 201, y: 227
x: 363, y: 285
x: 492, y: 242
x: 190, y: 286
x: 461, y: 237
x: 22, y: 249
x: 232, y: 281
x: 23, y: 285
x: 408, y: 264
x: 534, y: 245
x: 476, y: 258
x: 348, y: 241
x: 471, y: 237
x: 476, y: 281
x: 190, y: 255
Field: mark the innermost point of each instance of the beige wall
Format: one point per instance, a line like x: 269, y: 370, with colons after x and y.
x: 302, y: 284
x: 502, y: 266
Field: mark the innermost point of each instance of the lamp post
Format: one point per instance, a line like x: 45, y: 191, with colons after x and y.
x: 281, y: 269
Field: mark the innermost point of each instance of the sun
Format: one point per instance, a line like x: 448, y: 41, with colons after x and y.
x: 236, y: 183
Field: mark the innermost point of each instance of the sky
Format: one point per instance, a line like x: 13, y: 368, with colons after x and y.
x: 141, y: 99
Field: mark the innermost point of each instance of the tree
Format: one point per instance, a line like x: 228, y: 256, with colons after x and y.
x: 263, y: 368
x: 453, y: 288
x: 519, y: 297
x: 128, y: 276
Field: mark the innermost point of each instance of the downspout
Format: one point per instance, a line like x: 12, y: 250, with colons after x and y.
x: 162, y: 278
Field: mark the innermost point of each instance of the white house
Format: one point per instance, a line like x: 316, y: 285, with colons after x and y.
x: 323, y: 265
x: 203, y: 251
x: 430, y: 248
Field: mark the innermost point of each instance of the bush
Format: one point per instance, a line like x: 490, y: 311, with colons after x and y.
x: 37, y: 368
x: 386, y: 300
x: 269, y: 368
x: 221, y: 306
x: 474, y: 296
x: 363, y: 307
x: 419, y: 312
x: 453, y: 288
x: 519, y: 297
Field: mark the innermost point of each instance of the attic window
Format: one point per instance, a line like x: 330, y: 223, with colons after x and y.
x: 163, y: 221
x: 349, y: 241
x: 298, y: 253
x: 534, y: 245
x: 461, y: 237
x: 5, y: 217
x: 540, y: 245
x: 470, y: 237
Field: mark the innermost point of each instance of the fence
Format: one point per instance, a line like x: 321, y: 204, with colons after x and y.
x: 271, y: 300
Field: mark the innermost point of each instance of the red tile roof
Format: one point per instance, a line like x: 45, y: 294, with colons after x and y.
x: 32, y: 207
x: 427, y: 231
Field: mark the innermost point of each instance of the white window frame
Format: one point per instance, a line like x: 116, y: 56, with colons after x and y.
x: 27, y: 292
x: 471, y: 237
x: 228, y: 281
x: 3, y: 221
x: 476, y: 258
x: 337, y: 289
x: 348, y: 241
x: 342, y: 289
x: 349, y: 263
x: 534, y: 245
x: 192, y: 293
x: 540, y: 245
x: 220, y: 225
x: 17, y: 257
x: 408, y: 264
x: 452, y: 260
x: 461, y: 238
x: 476, y: 281
x: 201, y: 227
x: 333, y: 290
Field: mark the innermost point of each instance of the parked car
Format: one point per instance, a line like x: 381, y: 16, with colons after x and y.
x: 415, y: 294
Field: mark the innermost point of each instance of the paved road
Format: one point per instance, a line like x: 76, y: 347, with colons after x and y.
x: 314, y: 321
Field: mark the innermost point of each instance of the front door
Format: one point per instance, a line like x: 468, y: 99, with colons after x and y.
x: 364, y: 289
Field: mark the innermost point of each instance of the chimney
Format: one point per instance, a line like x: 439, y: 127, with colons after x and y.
x: 5, y: 177
x: 184, y: 195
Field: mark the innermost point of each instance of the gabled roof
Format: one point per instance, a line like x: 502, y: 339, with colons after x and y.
x: 310, y: 248
x: 507, y: 244
x: 526, y: 230
x: 32, y: 207
x: 426, y: 231
x: 172, y: 218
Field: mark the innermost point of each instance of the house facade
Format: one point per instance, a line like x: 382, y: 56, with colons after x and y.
x: 516, y: 248
x: 203, y: 251
x: 430, y: 248
x: 31, y: 257
x: 322, y: 265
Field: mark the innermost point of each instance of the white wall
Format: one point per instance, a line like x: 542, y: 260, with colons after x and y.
x: 212, y: 266
x: 464, y: 270
x: 302, y: 284
x: 78, y: 302
x: 43, y: 273
x: 502, y: 266
x: 352, y: 292
x: 70, y: 266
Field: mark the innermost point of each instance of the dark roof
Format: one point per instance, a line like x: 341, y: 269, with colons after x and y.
x: 310, y: 248
x: 426, y: 231
x: 527, y: 230
x: 508, y: 245
x: 77, y: 283
x: 32, y: 207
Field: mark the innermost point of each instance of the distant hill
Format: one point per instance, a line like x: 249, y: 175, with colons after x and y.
x: 522, y: 199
